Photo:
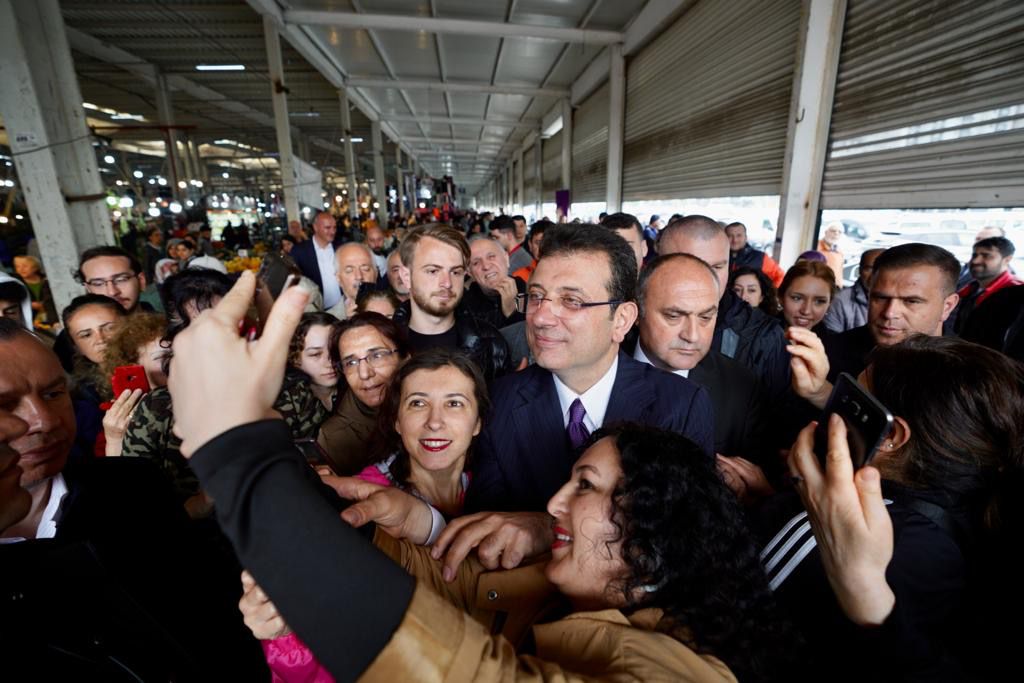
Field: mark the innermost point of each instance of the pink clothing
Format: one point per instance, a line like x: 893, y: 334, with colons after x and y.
x: 290, y: 661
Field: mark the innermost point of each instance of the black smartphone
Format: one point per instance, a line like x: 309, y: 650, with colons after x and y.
x: 314, y: 454
x: 868, y: 422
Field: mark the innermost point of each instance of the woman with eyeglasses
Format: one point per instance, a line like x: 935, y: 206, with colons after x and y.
x: 366, y: 349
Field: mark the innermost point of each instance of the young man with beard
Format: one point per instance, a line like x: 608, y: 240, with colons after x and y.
x: 434, y: 262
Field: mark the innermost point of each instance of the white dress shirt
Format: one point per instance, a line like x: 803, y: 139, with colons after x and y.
x: 48, y: 522
x: 594, y: 400
x: 642, y: 357
x: 328, y: 266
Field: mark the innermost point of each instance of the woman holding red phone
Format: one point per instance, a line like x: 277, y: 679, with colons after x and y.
x: 133, y: 364
x: 890, y: 569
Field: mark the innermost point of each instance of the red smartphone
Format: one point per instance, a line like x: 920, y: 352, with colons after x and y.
x: 129, y: 377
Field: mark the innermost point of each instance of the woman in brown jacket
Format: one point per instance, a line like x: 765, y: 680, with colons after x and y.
x: 651, y: 577
x: 660, y: 578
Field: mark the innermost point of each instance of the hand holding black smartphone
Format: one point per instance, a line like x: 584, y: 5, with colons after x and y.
x: 867, y: 421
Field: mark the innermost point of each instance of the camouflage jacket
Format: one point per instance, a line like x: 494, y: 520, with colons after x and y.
x: 149, y: 433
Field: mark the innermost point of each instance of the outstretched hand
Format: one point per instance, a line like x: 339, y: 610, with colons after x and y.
x: 226, y: 381
x: 394, y: 511
x: 809, y: 366
x: 501, y: 539
x: 850, y: 522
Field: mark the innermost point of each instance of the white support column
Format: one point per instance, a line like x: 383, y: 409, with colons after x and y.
x: 616, y: 127
x: 41, y: 107
x: 399, y: 204
x: 165, y: 112
x: 821, y: 37
x: 197, y: 162
x: 510, y: 180
x: 567, y: 145
x: 380, y: 183
x: 350, y: 158
x: 538, y: 165
x: 281, y: 124
x: 520, y: 185
x: 186, y: 157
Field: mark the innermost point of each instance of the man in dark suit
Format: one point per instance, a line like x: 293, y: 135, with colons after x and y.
x: 678, y: 298
x: 579, y: 308
x: 315, y: 258
x: 101, y: 573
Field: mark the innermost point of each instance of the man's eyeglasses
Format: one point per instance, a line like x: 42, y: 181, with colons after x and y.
x: 375, y: 359
x: 117, y: 280
x: 565, y: 302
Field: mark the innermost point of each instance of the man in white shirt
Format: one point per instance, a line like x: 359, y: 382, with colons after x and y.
x: 580, y: 306
x: 98, y: 546
x: 315, y: 258
x: 678, y: 296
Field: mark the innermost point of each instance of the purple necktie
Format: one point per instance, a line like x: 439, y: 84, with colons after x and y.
x: 578, y: 432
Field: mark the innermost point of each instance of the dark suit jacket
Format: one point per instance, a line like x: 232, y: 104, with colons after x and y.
x: 304, y: 254
x: 523, y: 455
x: 126, y: 577
x: 741, y: 425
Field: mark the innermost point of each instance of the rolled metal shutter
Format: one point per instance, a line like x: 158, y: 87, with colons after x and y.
x: 929, y: 106
x: 707, y: 102
x: 552, y: 166
x: 590, y: 148
x: 530, y: 176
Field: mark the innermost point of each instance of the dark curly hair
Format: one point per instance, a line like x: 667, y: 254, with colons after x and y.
x: 683, y: 532
x: 769, y: 296
x: 388, y: 440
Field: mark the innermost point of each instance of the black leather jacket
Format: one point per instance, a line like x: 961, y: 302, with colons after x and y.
x: 479, y: 339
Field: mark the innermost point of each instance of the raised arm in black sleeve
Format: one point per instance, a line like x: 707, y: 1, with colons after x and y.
x: 341, y: 595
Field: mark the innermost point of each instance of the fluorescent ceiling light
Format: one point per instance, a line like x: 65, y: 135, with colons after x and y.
x: 127, y: 117
x: 354, y: 140
x: 220, y: 67
x: 304, y: 114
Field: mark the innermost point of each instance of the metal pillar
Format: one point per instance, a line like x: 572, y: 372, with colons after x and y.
x: 281, y: 124
x: 165, y: 112
x: 567, y: 145
x: 538, y: 165
x: 41, y: 106
x: 350, y: 159
x: 197, y: 162
x: 520, y: 185
x: 510, y: 182
x: 616, y: 128
x: 399, y: 204
x: 810, y: 113
x: 379, y: 182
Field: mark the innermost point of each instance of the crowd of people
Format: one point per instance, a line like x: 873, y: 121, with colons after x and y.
x: 482, y: 450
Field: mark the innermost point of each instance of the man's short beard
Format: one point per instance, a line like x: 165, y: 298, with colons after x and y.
x: 425, y: 305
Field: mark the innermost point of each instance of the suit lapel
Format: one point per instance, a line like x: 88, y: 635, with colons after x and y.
x: 630, y: 396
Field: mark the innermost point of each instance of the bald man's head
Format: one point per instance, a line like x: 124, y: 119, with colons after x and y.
x: 355, y: 266
x: 375, y: 239
x: 702, y: 237
x: 678, y: 297
x: 324, y: 228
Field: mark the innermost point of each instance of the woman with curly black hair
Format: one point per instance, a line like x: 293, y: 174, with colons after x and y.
x: 656, y: 576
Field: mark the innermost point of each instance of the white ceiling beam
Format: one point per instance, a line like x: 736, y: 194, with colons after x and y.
x: 324, y: 62
x: 459, y: 142
x: 461, y: 120
x: 395, y: 22
x: 360, y: 82
x: 98, y: 49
